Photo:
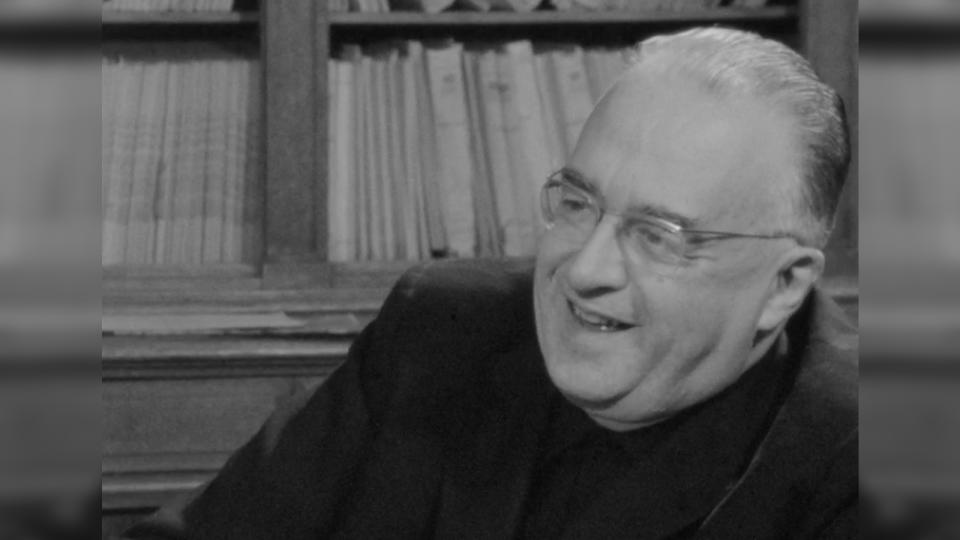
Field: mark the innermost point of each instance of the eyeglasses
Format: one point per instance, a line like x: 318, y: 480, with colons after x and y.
x: 575, y: 213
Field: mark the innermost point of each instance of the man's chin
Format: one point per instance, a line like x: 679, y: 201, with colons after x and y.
x: 584, y: 395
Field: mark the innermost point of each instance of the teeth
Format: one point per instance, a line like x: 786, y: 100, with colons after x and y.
x: 603, y: 323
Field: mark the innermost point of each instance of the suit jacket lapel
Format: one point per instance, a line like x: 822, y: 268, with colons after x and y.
x: 489, y: 465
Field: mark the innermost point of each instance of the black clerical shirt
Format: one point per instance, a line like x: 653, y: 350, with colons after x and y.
x: 582, y: 465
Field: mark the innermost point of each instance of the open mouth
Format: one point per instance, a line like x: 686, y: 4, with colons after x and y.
x: 596, y: 321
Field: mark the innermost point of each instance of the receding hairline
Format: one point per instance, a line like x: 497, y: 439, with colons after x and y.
x: 734, y: 63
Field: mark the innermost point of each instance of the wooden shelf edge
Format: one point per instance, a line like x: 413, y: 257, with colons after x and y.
x: 148, y: 490
x: 467, y: 18
x: 114, y: 18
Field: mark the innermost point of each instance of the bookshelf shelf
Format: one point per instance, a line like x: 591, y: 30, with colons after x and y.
x: 175, y: 18
x: 559, y: 18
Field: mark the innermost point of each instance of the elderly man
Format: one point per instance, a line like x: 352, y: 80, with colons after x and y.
x: 667, y: 370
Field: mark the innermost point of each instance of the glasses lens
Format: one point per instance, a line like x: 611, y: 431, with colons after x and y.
x: 566, y: 205
x: 653, y: 241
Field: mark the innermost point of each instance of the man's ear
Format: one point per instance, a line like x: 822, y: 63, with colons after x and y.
x: 798, y: 269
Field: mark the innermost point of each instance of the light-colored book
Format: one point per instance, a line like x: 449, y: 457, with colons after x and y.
x: 362, y: 156
x: 189, y: 189
x: 141, y: 224
x: 574, y: 91
x: 550, y: 107
x: 386, y: 59
x: 233, y: 185
x: 530, y: 157
x: 498, y: 156
x: 417, y: 239
x: 214, y: 199
x: 436, y: 238
x: 376, y: 156
x: 404, y: 218
x: 254, y: 189
x: 163, y: 245
x: 444, y: 63
x: 484, y: 206
x: 117, y: 211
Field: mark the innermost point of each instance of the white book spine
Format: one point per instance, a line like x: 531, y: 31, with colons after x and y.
x: 573, y: 90
x: 117, y: 211
x: 215, y: 165
x: 498, y: 155
x: 453, y: 146
x: 534, y: 163
x: 163, y: 245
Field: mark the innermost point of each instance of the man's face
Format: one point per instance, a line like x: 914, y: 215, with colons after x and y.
x: 681, y: 335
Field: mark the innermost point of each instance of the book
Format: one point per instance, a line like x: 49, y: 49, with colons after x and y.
x: 164, y: 204
x: 117, y: 210
x: 550, y: 107
x: 215, y: 189
x: 362, y: 153
x: 253, y: 188
x: 189, y: 183
x: 484, y: 208
x: 530, y: 161
x: 573, y: 91
x: 452, y: 133
x: 418, y: 240
x: 497, y: 154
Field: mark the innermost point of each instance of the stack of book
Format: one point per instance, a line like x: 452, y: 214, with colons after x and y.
x: 168, y: 5
x: 441, y: 149
x: 180, y: 158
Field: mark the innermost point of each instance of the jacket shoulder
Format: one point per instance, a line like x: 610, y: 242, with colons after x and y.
x: 460, y: 306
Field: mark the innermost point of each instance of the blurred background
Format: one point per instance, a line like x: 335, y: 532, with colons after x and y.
x: 909, y: 267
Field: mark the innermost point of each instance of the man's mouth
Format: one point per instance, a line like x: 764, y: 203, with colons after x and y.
x: 596, y: 321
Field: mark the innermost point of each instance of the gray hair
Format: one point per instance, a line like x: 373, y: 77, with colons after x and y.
x: 732, y: 63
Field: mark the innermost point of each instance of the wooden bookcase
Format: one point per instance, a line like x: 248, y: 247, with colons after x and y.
x: 296, y: 37
x: 218, y: 388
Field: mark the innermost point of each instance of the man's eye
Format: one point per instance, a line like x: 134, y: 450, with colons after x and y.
x: 573, y: 204
x: 650, y: 235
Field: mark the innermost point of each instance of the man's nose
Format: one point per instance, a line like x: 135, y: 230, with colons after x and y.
x: 599, y: 265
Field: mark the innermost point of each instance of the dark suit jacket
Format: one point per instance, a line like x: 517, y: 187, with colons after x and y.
x: 432, y: 428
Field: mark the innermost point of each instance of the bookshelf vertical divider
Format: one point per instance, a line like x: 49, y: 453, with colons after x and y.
x: 295, y: 81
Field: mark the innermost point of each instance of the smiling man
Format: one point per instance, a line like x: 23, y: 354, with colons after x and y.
x: 667, y: 370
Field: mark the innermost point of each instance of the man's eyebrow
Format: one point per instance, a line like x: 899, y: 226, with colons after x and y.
x: 664, y: 213
x: 579, y: 180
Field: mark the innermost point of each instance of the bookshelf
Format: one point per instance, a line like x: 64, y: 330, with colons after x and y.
x: 295, y: 40
x: 295, y: 115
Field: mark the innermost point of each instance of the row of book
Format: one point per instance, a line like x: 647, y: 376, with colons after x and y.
x: 440, y: 149
x: 436, y: 6
x: 180, y: 159
x: 169, y: 5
